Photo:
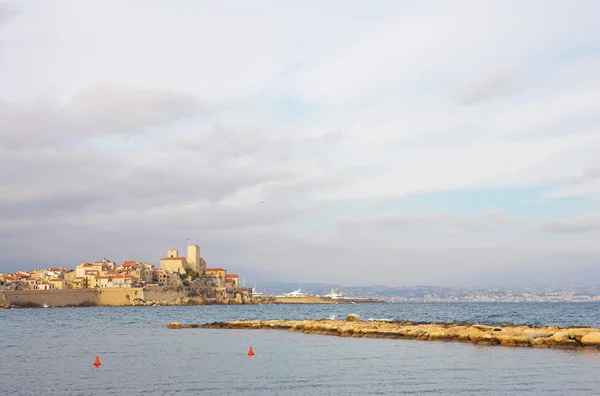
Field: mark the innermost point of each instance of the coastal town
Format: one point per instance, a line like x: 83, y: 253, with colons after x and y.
x: 173, y: 271
x: 178, y: 280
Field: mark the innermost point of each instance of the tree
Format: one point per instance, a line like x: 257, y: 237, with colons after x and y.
x: 191, y: 273
x: 183, y: 276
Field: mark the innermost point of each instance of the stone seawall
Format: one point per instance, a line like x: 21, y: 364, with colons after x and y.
x: 119, y: 297
x: 195, y: 294
x: 52, y: 298
x: 515, y: 336
x: 3, y: 301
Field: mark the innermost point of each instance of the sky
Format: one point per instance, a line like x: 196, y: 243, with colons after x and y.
x: 386, y: 142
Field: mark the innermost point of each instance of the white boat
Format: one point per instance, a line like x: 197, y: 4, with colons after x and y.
x: 45, y: 305
x: 256, y: 293
x: 334, y: 295
x: 295, y: 293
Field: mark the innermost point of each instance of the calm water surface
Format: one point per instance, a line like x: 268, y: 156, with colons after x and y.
x: 51, y: 351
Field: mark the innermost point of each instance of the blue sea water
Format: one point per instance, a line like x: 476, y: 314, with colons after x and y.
x: 51, y: 351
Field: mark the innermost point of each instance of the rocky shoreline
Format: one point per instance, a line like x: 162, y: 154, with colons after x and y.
x: 514, y: 336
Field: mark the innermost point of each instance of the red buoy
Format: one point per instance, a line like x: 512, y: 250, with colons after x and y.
x: 250, y: 352
x: 97, y: 362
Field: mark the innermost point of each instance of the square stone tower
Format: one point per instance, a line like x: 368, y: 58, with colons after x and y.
x: 193, y: 258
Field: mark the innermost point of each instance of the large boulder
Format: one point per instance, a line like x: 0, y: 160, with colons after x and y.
x: 591, y: 339
x: 560, y: 336
x: 352, y: 318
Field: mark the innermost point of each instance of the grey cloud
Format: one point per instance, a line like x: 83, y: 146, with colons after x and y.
x: 6, y: 13
x: 104, y: 110
x: 427, y: 221
x: 54, y: 193
x: 64, y: 182
x: 500, y: 81
x: 398, y: 221
x: 118, y: 109
x: 577, y: 225
x: 267, y: 146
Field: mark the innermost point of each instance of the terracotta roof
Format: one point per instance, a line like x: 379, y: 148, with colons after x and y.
x: 122, y: 276
x: 172, y: 258
x: 128, y: 263
x: 56, y: 280
x: 215, y: 269
x: 231, y: 276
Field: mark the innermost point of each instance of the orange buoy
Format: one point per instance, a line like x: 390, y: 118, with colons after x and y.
x: 97, y: 362
x: 250, y: 352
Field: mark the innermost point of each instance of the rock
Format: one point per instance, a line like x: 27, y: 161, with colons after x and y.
x: 560, y: 336
x: 534, y: 334
x: 174, y: 325
x: 352, y: 318
x: 591, y: 339
x: 568, y: 344
x: 579, y: 333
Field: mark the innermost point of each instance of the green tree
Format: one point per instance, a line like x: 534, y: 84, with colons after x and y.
x: 191, y: 273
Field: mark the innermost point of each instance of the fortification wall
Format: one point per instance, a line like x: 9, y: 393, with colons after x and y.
x: 126, y: 296
x: 118, y: 297
x: 168, y: 293
x: 53, y: 298
x: 3, y: 299
x: 164, y: 293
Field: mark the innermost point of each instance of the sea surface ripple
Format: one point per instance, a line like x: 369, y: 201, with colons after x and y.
x: 50, y: 352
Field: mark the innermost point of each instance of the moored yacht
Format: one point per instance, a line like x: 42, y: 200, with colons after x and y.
x: 295, y: 293
x: 256, y: 293
x: 334, y: 295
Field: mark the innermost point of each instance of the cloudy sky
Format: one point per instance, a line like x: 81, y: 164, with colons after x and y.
x: 391, y: 142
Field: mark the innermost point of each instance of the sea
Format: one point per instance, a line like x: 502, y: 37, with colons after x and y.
x: 51, y: 352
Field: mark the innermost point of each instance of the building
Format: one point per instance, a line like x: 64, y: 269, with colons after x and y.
x: 82, y: 268
x: 232, y: 280
x: 174, y: 263
x: 122, y: 281
x: 142, y: 273
x: 216, y: 272
x: 59, y: 283
x: 164, y: 278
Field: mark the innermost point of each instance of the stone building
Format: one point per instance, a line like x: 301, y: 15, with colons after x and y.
x: 216, y: 272
x: 174, y: 263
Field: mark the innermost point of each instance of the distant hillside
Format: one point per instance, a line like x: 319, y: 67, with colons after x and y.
x: 437, y: 293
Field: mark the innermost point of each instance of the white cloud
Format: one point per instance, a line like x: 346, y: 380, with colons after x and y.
x: 582, y: 224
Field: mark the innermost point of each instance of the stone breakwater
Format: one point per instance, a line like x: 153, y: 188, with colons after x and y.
x: 515, y: 336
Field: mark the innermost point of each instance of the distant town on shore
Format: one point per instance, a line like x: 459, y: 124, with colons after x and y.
x: 529, y: 293
x: 174, y: 270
